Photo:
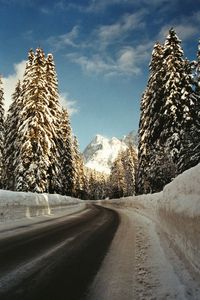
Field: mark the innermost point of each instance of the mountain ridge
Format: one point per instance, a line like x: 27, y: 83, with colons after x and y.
x: 101, y: 152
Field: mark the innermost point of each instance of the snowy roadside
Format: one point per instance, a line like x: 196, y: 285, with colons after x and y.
x: 19, y: 205
x: 176, y: 210
x: 140, y: 264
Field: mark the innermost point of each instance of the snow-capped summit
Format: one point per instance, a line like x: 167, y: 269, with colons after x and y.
x: 131, y: 138
x: 101, y: 152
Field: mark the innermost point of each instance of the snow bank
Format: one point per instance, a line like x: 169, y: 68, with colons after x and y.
x: 177, y: 210
x: 17, y: 205
x: 179, y: 214
x: 182, y: 195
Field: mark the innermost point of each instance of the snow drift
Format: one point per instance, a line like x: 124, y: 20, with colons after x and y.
x: 177, y: 210
x: 17, y: 205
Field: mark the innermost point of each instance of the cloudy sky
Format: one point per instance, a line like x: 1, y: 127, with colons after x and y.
x: 101, y: 48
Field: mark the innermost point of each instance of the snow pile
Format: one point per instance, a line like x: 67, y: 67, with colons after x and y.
x: 179, y: 214
x: 182, y: 195
x: 17, y: 205
x: 176, y: 210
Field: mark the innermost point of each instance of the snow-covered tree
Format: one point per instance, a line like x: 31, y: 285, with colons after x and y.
x: 57, y: 119
x: 129, y: 161
x: 67, y: 155
x: 35, y: 137
x: 97, y: 184
x: 2, y: 131
x: 80, y: 177
x: 197, y: 71
x: 177, y: 107
x: 11, y: 133
x: 168, y: 111
x: 117, y: 181
x: 190, y: 146
x: 150, y: 120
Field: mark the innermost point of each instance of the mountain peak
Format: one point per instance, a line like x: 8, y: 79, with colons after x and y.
x: 101, y: 152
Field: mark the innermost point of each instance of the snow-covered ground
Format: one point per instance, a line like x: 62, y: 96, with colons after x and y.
x: 18, y: 205
x: 141, y: 264
x: 176, y: 210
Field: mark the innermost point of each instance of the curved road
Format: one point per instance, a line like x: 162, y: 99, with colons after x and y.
x: 56, y: 259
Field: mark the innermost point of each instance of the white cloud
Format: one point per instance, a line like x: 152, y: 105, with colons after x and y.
x: 184, y: 31
x: 126, y: 63
x: 97, y: 5
x: 67, y: 39
x: 9, y: 83
x: 45, y: 10
x: 128, y: 22
x: 186, y: 27
x: 68, y: 103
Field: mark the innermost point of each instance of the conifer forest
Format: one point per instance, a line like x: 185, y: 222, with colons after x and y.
x: 39, y: 152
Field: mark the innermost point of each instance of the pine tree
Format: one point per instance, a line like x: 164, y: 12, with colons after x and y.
x: 2, y: 131
x: 150, y: 119
x: 35, y: 130
x: 129, y: 161
x: 117, y: 180
x: 67, y: 156
x: 55, y: 111
x: 11, y: 133
x: 177, y: 107
x: 197, y: 72
x: 80, y: 178
x: 190, y: 139
x: 168, y: 125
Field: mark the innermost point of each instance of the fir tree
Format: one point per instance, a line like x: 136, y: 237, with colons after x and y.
x: 175, y: 114
x: 80, y: 178
x: 35, y: 130
x: 2, y: 131
x: 129, y: 161
x: 197, y: 72
x: 190, y: 138
x: 150, y: 119
x: 117, y: 178
x: 11, y: 133
x: 67, y: 155
x: 55, y: 112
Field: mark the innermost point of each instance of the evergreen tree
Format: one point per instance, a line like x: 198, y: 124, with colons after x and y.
x: 177, y: 107
x: 190, y: 143
x: 167, y: 127
x: 57, y: 119
x: 197, y: 72
x: 79, y: 178
x: 117, y: 181
x: 129, y: 161
x: 2, y: 131
x: 35, y: 137
x: 67, y: 156
x: 150, y: 119
x: 11, y: 133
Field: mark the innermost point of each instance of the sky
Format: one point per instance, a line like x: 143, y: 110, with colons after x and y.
x: 102, y: 50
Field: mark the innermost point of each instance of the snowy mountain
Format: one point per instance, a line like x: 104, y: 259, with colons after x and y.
x: 101, y: 152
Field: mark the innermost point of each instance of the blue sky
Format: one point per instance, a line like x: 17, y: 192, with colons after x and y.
x: 101, y: 48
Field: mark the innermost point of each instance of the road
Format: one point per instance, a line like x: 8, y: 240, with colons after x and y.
x: 96, y: 254
x: 55, y: 259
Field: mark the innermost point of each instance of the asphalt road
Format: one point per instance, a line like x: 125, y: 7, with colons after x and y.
x: 56, y: 259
